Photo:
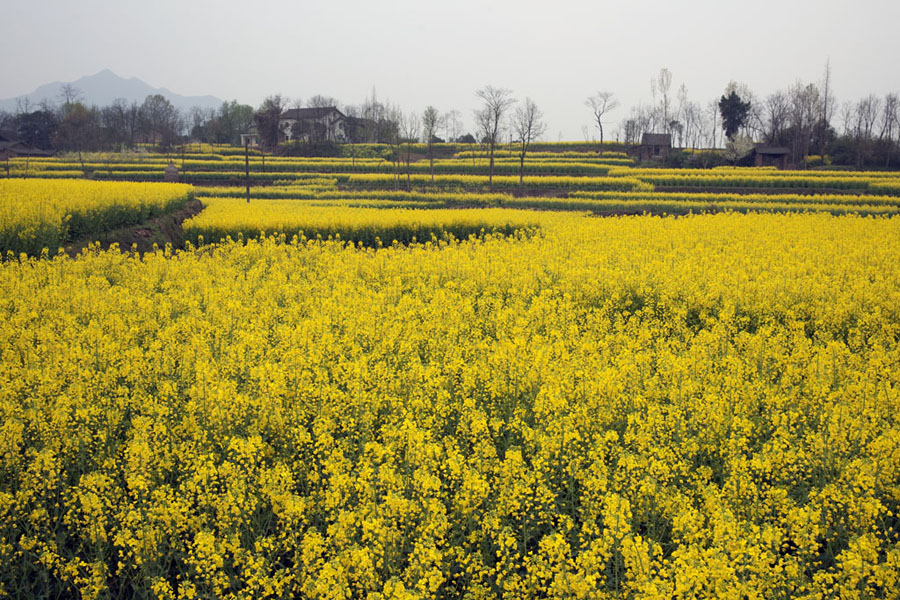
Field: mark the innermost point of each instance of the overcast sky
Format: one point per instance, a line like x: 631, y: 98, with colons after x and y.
x: 416, y: 53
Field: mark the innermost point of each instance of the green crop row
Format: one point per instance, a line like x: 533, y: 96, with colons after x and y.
x: 376, y: 180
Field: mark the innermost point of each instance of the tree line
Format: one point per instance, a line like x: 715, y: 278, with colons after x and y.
x: 805, y: 118
x: 72, y: 125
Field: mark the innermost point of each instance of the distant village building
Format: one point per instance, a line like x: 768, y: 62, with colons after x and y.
x: 250, y: 137
x: 321, y: 124
x: 770, y: 156
x: 654, y: 146
x: 327, y: 124
x: 11, y: 147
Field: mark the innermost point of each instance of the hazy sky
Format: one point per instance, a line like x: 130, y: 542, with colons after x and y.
x: 415, y: 52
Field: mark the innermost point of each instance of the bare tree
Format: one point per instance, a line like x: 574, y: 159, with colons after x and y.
x: 390, y: 118
x: 199, y: 119
x: 663, y: 83
x: 410, y: 127
x: 495, y: 103
x: 528, y: 125
x: 268, y: 118
x: 120, y: 123
x: 630, y: 130
x: 677, y: 130
x: 712, y: 110
x: 380, y: 120
x: 828, y: 103
x: 681, y: 116
x: 692, y: 115
x: 431, y: 122
x: 805, y: 104
x: 866, y: 117
x: 160, y: 120
x: 600, y: 104
x: 69, y: 94
x: 320, y: 101
x: 353, y: 128
x: 890, y: 120
x: 23, y: 105
x: 79, y: 131
x: 848, y: 116
x: 777, y: 113
x: 454, y: 125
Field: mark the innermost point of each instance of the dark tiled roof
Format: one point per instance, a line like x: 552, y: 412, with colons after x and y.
x: 656, y: 139
x: 18, y: 148
x: 772, y: 150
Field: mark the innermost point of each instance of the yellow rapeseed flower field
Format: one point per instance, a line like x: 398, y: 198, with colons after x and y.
x: 234, y: 217
x: 636, y: 407
x: 42, y: 213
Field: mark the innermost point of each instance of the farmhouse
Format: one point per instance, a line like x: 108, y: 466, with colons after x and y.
x: 313, y: 124
x: 11, y: 147
x: 770, y: 156
x: 654, y: 146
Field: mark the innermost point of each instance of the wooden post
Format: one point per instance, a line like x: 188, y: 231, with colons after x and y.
x: 247, y: 166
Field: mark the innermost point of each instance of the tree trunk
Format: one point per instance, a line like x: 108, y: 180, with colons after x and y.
x: 397, y: 158
x: 491, y: 170
x: 408, y: 150
x: 522, y: 170
x: 600, y: 125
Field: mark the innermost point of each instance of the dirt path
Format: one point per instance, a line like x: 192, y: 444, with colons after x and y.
x: 162, y: 230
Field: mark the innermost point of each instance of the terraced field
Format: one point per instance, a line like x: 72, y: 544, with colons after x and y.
x: 366, y: 382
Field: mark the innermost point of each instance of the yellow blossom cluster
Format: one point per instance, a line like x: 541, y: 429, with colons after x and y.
x: 113, y: 168
x: 873, y: 182
x: 370, y: 226
x: 531, y: 182
x: 40, y: 213
x: 635, y: 407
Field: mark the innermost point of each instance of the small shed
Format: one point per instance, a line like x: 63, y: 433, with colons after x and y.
x: 654, y: 146
x: 250, y: 137
x: 770, y: 156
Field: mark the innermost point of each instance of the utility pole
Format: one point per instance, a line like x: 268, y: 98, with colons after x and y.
x: 247, y: 166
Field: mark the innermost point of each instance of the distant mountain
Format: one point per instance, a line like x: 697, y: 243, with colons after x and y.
x: 104, y: 87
